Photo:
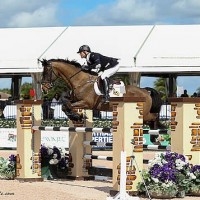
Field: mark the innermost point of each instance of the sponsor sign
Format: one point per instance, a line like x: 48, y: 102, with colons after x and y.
x: 59, y: 139
x: 8, y: 138
x: 102, y: 137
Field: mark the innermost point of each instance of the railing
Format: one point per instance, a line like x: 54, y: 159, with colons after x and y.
x: 165, y: 112
x: 53, y: 111
x: 8, y: 110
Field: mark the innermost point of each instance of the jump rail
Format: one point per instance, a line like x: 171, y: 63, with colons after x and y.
x: 156, y: 132
x: 88, y: 156
x: 72, y: 129
x: 145, y: 147
x: 107, y: 144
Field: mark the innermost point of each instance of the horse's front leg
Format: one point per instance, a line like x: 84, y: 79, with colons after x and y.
x: 68, y: 107
x: 80, y: 104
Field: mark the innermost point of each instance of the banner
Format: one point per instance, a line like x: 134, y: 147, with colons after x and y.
x: 60, y: 139
x: 8, y: 137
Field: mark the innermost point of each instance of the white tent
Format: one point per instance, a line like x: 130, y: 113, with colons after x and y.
x: 117, y: 41
x: 154, y: 49
x: 171, y: 48
x: 21, y: 47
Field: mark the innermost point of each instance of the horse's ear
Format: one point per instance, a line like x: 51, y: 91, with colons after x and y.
x: 43, y: 61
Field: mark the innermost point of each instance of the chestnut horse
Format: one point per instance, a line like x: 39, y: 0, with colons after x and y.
x: 84, y: 96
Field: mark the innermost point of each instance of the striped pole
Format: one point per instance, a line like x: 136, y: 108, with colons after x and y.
x: 72, y: 129
x: 155, y: 147
x: 92, y: 143
x: 88, y: 156
x: 149, y: 147
x: 157, y: 132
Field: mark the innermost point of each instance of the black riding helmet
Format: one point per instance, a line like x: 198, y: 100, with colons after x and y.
x: 84, y: 48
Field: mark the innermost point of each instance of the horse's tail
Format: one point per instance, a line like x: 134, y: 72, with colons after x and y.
x: 156, y: 100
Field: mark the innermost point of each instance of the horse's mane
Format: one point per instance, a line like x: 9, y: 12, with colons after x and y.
x: 72, y: 62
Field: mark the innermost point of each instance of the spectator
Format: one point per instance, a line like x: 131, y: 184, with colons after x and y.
x: 185, y: 94
x: 46, y: 108
x: 2, y: 106
x: 9, y: 101
x: 194, y: 94
x: 55, y: 101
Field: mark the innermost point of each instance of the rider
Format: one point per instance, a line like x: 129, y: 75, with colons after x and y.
x: 103, y: 65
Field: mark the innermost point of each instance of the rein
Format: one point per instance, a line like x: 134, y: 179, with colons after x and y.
x: 75, y: 74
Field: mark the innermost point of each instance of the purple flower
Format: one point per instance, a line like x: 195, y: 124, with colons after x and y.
x: 195, y: 169
x: 57, y: 152
x: 12, y: 157
x: 63, y: 163
x: 163, y: 173
x: 44, y: 152
x: 170, y: 165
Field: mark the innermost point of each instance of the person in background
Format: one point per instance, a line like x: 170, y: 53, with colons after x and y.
x: 194, y: 95
x: 46, y: 108
x: 185, y: 94
x: 104, y: 66
x: 2, y: 106
x: 55, y: 101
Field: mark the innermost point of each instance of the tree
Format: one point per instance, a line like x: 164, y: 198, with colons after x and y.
x: 6, y: 90
x: 159, y: 85
x: 198, y: 91
x: 58, y: 87
x: 25, y: 89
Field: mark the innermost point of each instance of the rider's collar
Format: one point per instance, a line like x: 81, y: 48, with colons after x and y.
x: 88, y: 57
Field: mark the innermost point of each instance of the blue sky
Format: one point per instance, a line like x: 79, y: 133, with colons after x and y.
x: 37, y: 13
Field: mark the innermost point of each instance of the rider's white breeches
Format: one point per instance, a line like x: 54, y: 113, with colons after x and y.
x: 109, y: 72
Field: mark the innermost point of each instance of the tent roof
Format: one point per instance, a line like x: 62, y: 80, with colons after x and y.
x: 154, y: 49
x: 171, y: 48
x: 21, y: 47
x: 117, y: 41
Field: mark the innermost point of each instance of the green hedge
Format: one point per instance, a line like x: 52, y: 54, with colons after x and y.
x: 11, y: 123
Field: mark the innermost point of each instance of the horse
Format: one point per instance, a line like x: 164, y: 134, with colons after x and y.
x: 84, y: 96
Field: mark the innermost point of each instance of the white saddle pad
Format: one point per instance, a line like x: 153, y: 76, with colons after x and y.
x: 117, y: 91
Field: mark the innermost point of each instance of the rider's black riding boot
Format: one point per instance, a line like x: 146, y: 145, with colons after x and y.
x: 106, y: 90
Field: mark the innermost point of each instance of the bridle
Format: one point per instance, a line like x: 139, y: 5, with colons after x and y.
x: 50, y: 82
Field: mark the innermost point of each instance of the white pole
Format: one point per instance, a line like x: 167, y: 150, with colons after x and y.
x: 122, y: 194
x: 123, y: 176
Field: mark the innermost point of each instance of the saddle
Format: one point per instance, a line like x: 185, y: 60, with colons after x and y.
x: 112, y: 82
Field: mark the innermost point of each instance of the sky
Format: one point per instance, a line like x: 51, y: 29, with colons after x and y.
x: 45, y: 13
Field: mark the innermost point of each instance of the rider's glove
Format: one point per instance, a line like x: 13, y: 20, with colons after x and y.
x: 85, y: 67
